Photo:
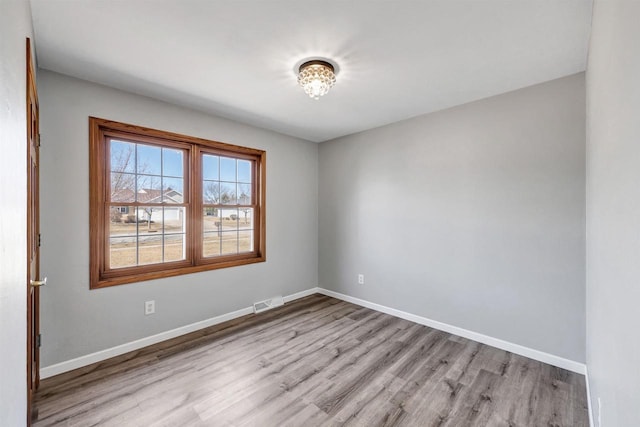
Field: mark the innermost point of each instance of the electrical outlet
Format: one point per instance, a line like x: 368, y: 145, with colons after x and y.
x: 149, y: 307
x: 361, y: 279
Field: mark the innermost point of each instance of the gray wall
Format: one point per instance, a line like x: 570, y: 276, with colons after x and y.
x: 15, y: 26
x: 472, y: 216
x: 613, y: 212
x: 77, y: 321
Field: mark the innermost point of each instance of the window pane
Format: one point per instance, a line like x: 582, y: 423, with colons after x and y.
x: 122, y: 224
x: 149, y: 219
x: 149, y: 250
x: 172, y: 163
x: 123, y: 187
x: 244, y: 171
x: 211, y: 192
x: 123, y: 156
x: 148, y: 159
x: 229, y: 243
x: 173, y: 190
x: 122, y: 252
x: 244, y: 194
x: 229, y: 219
x: 245, y: 218
x: 228, y: 193
x: 210, y: 167
x: 245, y: 241
x: 210, y: 220
x: 174, y: 220
x: 211, y: 244
x: 148, y: 189
x: 174, y: 247
x: 220, y: 226
x: 227, y: 169
x: 123, y: 238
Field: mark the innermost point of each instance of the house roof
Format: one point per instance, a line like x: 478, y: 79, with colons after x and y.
x: 147, y: 195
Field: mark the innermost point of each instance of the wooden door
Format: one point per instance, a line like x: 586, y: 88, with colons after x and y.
x: 33, y: 236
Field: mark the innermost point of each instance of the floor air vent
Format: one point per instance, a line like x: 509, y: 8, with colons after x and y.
x: 267, y: 304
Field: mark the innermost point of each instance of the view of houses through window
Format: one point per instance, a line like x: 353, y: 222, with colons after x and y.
x: 164, y: 204
x: 147, y: 205
x: 226, y: 229
x: 147, y: 212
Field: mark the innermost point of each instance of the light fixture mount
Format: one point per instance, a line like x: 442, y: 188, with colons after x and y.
x: 316, y: 76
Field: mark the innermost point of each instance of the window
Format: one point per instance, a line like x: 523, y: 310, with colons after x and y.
x: 164, y: 204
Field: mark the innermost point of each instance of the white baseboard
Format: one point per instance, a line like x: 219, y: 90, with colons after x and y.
x: 99, y: 356
x: 301, y: 294
x: 540, y: 356
x: 590, y: 408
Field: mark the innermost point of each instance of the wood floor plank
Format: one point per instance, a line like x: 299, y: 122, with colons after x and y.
x: 475, y: 403
x: 371, y: 404
x: 522, y: 376
x: 315, y: 362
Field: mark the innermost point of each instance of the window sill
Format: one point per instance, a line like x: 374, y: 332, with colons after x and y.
x: 105, y: 282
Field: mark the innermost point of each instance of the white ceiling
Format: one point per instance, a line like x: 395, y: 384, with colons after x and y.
x: 235, y: 58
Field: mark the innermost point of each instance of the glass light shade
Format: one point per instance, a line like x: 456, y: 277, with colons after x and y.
x: 316, y: 78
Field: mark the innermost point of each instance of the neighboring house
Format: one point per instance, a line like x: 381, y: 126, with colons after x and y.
x: 169, y: 197
x: 243, y: 213
x: 171, y: 213
x: 148, y: 195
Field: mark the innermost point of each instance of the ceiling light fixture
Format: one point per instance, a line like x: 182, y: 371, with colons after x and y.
x: 316, y: 77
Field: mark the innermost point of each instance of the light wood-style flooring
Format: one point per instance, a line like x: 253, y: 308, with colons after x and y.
x: 317, y: 361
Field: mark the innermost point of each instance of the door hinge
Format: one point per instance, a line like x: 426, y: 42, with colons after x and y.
x: 39, y: 340
x: 39, y: 240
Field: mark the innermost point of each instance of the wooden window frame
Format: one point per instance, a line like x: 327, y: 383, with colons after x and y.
x: 100, y: 132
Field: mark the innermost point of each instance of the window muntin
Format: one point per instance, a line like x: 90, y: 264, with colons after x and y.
x: 164, y: 204
x: 148, y: 235
x: 227, y: 208
x: 149, y: 178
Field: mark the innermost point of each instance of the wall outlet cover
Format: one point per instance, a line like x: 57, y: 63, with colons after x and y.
x: 149, y: 307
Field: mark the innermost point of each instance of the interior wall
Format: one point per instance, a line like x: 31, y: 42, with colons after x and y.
x: 15, y: 27
x: 473, y: 216
x: 77, y: 321
x: 613, y: 213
